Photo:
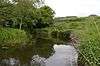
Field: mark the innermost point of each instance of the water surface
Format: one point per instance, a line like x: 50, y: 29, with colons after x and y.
x: 62, y: 55
x: 42, y: 52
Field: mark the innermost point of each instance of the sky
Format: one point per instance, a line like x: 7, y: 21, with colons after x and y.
x: 64, y: 8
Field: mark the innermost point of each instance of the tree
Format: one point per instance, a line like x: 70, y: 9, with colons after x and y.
x: 47, y: 14
x: 23, y: 11
x: 44, y: 16
x: 27, y: 13
x: 6, y: 8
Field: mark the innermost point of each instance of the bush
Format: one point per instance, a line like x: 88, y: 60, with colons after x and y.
x: 12, y: 37
x: 63, y: 36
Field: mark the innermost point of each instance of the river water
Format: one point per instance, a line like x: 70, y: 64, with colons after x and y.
x: 64, y: 55
x: 43, y: 52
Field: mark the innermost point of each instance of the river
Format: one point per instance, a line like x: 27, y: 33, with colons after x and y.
x: 43, y: 52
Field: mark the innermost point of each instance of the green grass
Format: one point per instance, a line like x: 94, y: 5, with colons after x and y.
x: 90, y: 44
x: 88, y: 34
x: 12, y: 37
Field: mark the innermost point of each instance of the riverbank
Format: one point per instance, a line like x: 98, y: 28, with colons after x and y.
x: 86, y: 30
x: 88, y: 33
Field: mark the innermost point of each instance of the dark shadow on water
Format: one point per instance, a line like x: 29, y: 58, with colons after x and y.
x: 42, y: 48
x: 41, y: 52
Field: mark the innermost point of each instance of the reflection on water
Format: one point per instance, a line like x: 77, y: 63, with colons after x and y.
x: 43, y: 52
x: 26, y: 55
x: 65, y: 55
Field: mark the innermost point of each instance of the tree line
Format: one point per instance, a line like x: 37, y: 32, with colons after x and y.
x: 25, y: 14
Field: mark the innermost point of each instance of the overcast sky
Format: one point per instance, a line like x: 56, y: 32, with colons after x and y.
x: 74, y: 7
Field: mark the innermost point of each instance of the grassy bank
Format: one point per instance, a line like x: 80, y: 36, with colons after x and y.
x: 12, y: 37
x: 89, y: 47
x: 88, y: 34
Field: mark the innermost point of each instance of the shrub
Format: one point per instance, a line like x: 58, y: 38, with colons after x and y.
x: 12, y: 37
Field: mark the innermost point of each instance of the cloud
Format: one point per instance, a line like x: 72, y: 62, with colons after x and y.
x: 74, y: 7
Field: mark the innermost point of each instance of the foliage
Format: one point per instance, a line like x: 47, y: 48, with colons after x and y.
x: 12, y: 37
x: 25, y: 14
x: 6, y: 9
x: 62, y: 36
x: 90, y: 44
x: 88, y: 34
x: 44, y: 17
x: 22, y: 11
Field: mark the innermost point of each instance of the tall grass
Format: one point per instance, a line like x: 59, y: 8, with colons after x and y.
x: 88, y: 33
x: 90, y: 44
